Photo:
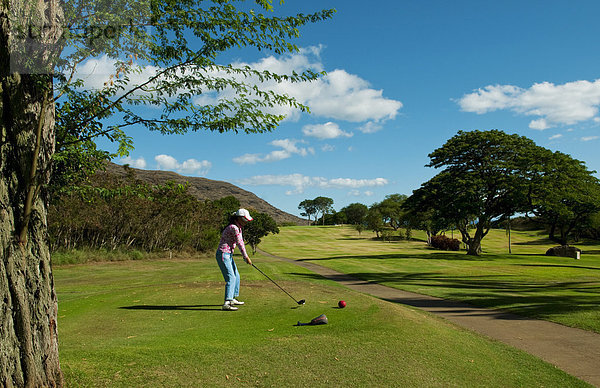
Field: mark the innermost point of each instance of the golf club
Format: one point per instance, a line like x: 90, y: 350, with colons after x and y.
x: 301, y: 301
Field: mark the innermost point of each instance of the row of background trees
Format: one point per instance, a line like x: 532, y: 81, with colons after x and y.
x: 110, y: 212
x: 486, y: 179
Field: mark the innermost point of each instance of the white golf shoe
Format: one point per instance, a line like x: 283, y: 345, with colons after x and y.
x: 236, y: 302
x: 228, y: 306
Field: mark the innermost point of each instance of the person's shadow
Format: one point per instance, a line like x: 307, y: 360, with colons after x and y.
x: 197, y: 307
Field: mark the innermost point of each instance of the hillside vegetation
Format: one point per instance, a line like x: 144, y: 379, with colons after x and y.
x: 205, y: 189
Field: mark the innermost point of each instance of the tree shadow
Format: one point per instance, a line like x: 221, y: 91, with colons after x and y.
x: 430, y: 255
x: 560, y: 266
x: 590, y: 251
x: 199, y: 307
x: 521, y: 297
x: 540, y: 241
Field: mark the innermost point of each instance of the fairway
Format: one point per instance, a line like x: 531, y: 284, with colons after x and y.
x: 526, y: 282
x: 158, y: 323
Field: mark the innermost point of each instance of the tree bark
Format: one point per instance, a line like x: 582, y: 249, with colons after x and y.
x: 28, y: 313
x: 29, y: 340
x: 474, y: 243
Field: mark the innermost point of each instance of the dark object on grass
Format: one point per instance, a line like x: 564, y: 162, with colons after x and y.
x: 564, y: 251
x: 445, y: 243
x: 301, y: 301
x: 320, y: 320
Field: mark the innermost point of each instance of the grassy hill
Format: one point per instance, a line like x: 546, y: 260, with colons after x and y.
x: 203, y: 188
x: 526, y: 282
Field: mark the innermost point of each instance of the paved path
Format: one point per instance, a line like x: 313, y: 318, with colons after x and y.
x: 575, y: 351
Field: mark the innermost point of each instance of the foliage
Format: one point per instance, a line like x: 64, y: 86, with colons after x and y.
x: 359, y: 228
x: 323, y: 205
x: 261, y: 225
x: 117, y: 213
x: 485, y: 177
x: 355, y: 213
x: 319, y: 205
x: 564, y: 195
x: 167, y: 54
x: 309, y: 208
x: 445, y: 243
x: 228, y: 206
x: 374, y: 220
x: 392, y: 211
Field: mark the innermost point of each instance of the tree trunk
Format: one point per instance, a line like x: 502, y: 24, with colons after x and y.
x: 29, y: 310
x: 28, y: 334
x: 474, y: 243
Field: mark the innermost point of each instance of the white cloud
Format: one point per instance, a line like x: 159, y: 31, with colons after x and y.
x: 565, y: 104
x: 248, y: 159
x: 590, y: 138
x: 370, y: 127
x: 554, y: 137
x: 288, y: 148
x: 300, y: 182
x: 98, y: 72
x: 190, y: 166
x: 358, y: 193
x: 135, y: 163
x: 344, y: 96
x: 337, y: 95
x: 328, y: 130
x: 540, y: 124
x: 327, y: 148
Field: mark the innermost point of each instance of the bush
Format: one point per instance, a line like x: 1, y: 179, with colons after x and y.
x: 111, y: 213
x: 445, y: 243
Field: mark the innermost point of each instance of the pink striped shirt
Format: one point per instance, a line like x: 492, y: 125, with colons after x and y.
x: 232, y: 236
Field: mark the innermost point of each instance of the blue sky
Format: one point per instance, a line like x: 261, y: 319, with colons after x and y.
x: 403, y: 77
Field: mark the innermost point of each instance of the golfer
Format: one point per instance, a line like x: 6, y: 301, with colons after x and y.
x: 232, y: 236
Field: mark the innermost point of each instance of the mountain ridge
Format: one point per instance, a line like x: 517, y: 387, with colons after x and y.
x: 204, y: 188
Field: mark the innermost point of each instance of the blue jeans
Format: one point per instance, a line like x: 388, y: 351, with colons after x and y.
x: 230, y: 274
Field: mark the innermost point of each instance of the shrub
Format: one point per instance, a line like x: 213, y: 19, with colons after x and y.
x: 445, y: 243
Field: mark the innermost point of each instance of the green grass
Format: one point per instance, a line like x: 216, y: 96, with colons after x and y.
x: 526, y: 282
x: 158, y: 323
x: 88, y: 255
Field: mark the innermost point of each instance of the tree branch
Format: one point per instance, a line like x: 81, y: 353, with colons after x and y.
x: 32, y: 187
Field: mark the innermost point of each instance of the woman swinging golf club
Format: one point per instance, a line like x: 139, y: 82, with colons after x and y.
x: 232, y: 236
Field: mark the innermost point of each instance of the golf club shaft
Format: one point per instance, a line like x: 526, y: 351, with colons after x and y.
x: 288, y: 294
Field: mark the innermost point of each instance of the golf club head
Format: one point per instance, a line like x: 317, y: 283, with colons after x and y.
x: 320, y: 320
x: 301, y: 301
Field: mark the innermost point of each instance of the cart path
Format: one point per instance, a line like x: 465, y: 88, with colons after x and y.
x: 575, y: 351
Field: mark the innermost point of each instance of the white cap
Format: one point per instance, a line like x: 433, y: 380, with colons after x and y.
x: 243, y: 213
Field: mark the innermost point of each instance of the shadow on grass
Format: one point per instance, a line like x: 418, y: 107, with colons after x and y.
x: 541, y: 241
x: 560, y: 266
x: 522, y: 297
x: 430, y: 255
x: 198, y: 307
